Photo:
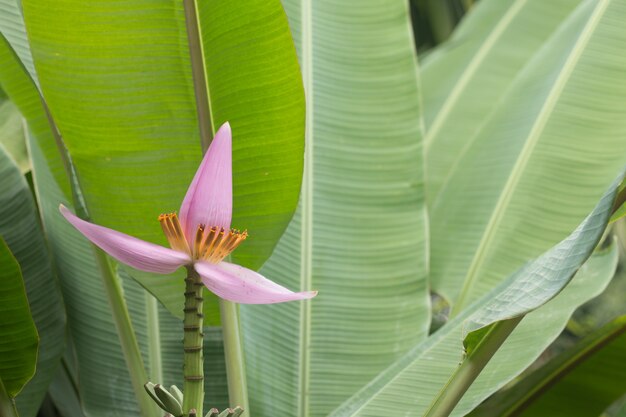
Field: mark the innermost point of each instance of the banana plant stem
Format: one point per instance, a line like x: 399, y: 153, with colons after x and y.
x: 193, y: 368
x: 126, y: 333
x: 233, y: 352
x: 470, y: 368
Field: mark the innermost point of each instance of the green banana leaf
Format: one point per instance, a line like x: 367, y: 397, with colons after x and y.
x: 359, y: 236
x: 12, y: 28
x: 21, y: 230
x: 532, y: 171
x: 581, y: 381
x: 12, y: 136
x: 117, y: 78
x: 20, y: 89
x: 104, y: 384
x: 63, y: 390
x: 465, y: 78
x: 18, y: 334
x: 412, y: 385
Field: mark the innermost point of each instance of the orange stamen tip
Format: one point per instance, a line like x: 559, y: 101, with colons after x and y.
x: 215, y: 243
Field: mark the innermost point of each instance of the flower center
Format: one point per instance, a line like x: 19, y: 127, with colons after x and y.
x: 210, y: 244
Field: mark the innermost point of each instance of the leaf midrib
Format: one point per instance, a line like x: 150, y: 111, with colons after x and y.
x: 531, y: 141
x: 306, y: 237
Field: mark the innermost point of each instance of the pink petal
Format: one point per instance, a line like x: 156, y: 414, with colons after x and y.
x: 209, y: 199
x: 241, y: 285
x: 142, y: 255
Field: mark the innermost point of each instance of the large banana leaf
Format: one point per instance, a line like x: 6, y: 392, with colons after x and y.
x: 359, y: 235
x: 533, y: 170
x: 412, y: 386
x: 21, y: 230
x: 104, y: 384
x: 18, y: 334
x: 465, y: 78
x: 581, y: 381
x: 117, y: 78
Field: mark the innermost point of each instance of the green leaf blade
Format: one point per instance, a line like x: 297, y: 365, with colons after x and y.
x: 428, y: 367
x: 255, y: 83
x: 589, y: 375
x: 359, y: 236
x: 19, y: 340
x: 531, y: 173
x: 21, y: 229
x: 465, y: 78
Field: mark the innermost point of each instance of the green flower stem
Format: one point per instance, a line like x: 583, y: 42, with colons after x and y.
x: 154, y: 343
x: 192, y: 343
x: 198, y: 71
x: 233, y: 352
x: 471, y: 367
x: 128, y: 339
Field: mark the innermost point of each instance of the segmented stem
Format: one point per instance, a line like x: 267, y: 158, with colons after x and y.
x: 192, y: 344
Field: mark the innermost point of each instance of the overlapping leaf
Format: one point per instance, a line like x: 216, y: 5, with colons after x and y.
x: 412, y: 385
x: 465, y: 78
x: 21, y: 230
x: 18, y: 334
x: 533, y: 170
x: 581, y: 381
x: 12, y: 28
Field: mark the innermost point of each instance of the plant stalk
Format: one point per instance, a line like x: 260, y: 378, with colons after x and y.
x: 233, y: 352
x: 193, y: 368
x: 128, y: 339
x: 470, y: 368
x: 155, y: 358
x: 198, y: 72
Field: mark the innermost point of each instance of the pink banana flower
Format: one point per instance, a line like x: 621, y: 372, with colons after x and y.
x: 202, y: 237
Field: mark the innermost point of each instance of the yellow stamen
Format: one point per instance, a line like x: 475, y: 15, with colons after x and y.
x: 174, y: 232
x: 210, y: 244
x: 220, y: 244
x: 198, y: 241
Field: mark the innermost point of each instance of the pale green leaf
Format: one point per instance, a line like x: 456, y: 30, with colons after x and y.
x: 20, y: 227
x: 12, y: 136
x: 359, y: 236
x: 532, y: 171
x: 18, y: 334
x: 465, y: 78
x: 411, y: 385
x: 579, y: 382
